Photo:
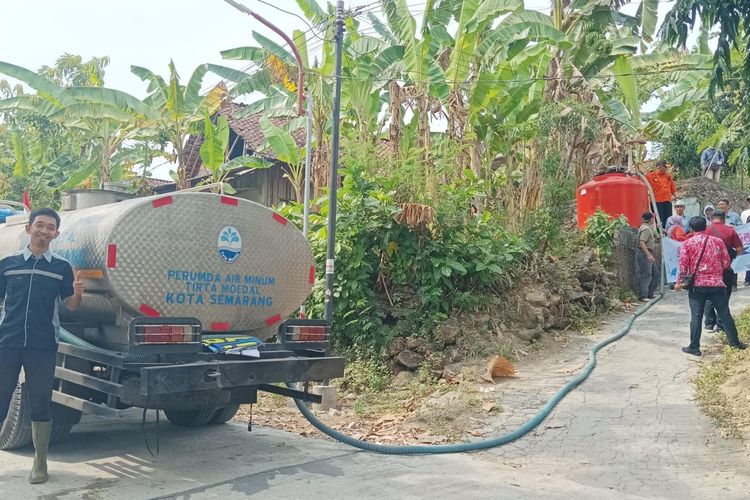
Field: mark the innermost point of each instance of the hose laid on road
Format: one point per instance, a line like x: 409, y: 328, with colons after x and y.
x: 511, y: 436
x: 485, y: 443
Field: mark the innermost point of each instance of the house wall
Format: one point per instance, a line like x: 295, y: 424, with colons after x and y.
x: 267, y: 187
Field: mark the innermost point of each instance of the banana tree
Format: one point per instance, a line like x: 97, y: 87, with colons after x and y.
x: 285, y: 150
x: 214, y: 153
x: 179, y: 109
x: 731, y: 135
x: 685, y: 80
x: 107, y: 117
x: 274, y: 68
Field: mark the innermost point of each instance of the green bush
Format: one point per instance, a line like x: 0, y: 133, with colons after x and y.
x: 600, y: 232
x: 447, y: 264
x: 681, y: 147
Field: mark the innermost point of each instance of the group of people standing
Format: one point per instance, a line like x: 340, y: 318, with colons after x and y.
x: 704, y: 270
x: 664, y: 188
x: 710, y: 243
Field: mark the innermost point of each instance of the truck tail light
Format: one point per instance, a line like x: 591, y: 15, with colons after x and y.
x: 306, y: 333
x: 165, y: 334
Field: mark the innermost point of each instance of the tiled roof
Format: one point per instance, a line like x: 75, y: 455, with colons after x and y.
x: 154, y: 183
x: 247, y: 127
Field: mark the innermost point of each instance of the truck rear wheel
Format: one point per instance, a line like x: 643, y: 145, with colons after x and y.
x: 223, y: 415
x: 190, y: 418
x: 16, y: 430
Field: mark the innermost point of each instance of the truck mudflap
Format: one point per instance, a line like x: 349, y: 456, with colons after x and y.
x: 234, y: 374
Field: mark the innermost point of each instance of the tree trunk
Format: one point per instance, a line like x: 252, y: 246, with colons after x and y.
x: 532, y: 186
x: 509, y: 189
x: 182, y: 174
x: 395, y: 126
x: 476, y: 149
x: 104, y: 174
x: 321, y: 161
x: 424, y: 143
x: 625, y: 244
x: 456, y: 131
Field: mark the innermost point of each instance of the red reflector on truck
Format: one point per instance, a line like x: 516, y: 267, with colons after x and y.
x: 311, y: 278
x: 149, y: 311
x: 111, y: 256
x: 306, y: 333
x: 228, y: 200
x: 280, y: 219
x: 160, y: 202
x: 219, y: 327
x: 273, y: 319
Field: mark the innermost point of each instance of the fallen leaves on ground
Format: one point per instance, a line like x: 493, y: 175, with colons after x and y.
x: 388, y: 429
x: 498, y: 367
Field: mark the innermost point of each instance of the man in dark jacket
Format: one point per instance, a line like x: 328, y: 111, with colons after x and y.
x: 712, y: 160
x: 31, y: 282
x: 732, y: 241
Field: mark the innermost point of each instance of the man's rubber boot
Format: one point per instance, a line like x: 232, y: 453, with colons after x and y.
x: 40, y: 434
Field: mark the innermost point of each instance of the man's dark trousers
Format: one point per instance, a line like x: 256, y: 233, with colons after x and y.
x: 39, y: 374
x: 648, y: 274
x: 698, y: 296
x: 711, y: 319
x: 664, y: 209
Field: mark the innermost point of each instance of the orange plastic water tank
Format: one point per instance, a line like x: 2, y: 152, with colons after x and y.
x: 614, y: 193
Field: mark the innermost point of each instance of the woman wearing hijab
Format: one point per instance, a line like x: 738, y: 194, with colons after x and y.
x: 708, y: 213
x: 677, y: 221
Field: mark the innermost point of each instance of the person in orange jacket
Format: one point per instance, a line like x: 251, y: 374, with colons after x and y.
x: 664, y: 189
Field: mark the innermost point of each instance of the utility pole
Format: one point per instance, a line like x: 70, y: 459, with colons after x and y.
x: 333, y: 184
x: 276, y: 29
x: 308, y: 166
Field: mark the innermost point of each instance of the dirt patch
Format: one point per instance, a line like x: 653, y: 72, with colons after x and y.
x: 387, y: 426
x: 737, y: 387
x: 723, y: 385
x: 459, y: 407
x: 432, y: 387
x: 709, y: 191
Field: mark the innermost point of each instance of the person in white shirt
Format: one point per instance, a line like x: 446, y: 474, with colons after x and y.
x: 745, y: 215
x: 733, y: 218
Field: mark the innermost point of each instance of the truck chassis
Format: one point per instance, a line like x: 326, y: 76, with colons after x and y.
x: 193, y: 388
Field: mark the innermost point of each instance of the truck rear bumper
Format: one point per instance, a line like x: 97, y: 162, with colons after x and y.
x: 234, y: 374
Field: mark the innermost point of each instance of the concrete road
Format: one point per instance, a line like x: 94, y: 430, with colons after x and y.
x: 630, y: 431
x: 105, y: 459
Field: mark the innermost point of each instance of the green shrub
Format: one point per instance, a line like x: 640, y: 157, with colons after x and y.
x: 449, y: 263
x: 600, y: 232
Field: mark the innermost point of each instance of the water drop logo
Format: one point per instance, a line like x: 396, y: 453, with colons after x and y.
x: 230, y: 244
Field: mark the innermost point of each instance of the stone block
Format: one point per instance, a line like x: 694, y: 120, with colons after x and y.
x: 328, y: 394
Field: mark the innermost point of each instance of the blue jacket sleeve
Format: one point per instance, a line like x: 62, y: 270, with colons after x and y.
x: 3, y: 280
x: 704, y: 158
x: 66, y: 288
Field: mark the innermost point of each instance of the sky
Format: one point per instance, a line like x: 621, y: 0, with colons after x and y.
x: 147, y: 33
x: 138, y: 32
x: 144, y: 33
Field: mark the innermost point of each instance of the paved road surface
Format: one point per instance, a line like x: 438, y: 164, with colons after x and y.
x: 630, y: 431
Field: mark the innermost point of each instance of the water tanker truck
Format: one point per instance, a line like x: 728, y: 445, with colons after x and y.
x: 186, y: 310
